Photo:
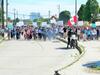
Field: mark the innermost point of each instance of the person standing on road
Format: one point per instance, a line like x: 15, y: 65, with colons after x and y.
x: 17, y: 33
x: 2, y: 32
x: 9, y: 29
x: 69, y: 36
x: 78, y: 33
x: 98, y: 33
x: 64, y: 30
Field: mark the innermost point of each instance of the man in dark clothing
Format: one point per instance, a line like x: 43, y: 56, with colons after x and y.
x: 64, y: 29
x: 98, y: 32
x: 17, y: 33
x: 69, y: 36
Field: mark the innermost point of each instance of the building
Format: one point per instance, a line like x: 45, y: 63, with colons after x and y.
x: 34, y: 15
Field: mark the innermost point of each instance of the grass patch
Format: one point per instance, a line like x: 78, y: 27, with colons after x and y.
x: 97, y: 68
x: 94, y: 67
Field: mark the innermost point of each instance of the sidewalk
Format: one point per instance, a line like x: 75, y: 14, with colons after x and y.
x: 92, y: 54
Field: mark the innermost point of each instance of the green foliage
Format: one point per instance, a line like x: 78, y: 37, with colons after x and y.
x: 15, y: 21
x: 89, y: 11
x: 92, y: 7
x: 81, y: 12
x: 0, y: 14
x: 65, y: 16
x: 28, y: 22
x: 35, y: 20
x: 9, y: 19
x: 99, y: 10
x: 41, y: 20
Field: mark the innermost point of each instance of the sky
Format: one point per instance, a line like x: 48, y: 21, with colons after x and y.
x: 43, y: 6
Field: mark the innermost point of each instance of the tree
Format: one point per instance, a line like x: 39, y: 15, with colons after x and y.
x: 28, y: 22
x: 99, y: 10
x: 35, y: 20
x: 8, y: 19
x: 81, y: 12
x: 16, y: 21
x: 65, y: 16
x: 91, y: 10
x: 41, y: 20
x: 0, y: 14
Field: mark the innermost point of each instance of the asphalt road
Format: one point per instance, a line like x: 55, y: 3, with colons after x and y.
x: 33, y: 57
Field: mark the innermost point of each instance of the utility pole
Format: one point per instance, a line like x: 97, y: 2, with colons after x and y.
x: 14, y: 21
x: 17, y: 14
x: 58, y: 10
x: 14, y: 14
x: 75, y: 7
x: 76, y: 11
x: 23, y: 17
x: 6, y: 12
x: 49, y: 13
x: 2, y: 7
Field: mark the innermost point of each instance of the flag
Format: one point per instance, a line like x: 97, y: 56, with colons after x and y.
x: 72, y: 21
x: 69, y: 23
x: 75, y: 19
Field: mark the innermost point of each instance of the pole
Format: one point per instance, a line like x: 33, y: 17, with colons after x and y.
x: 17, y: 14
x: 23, y: 17
x: 2, y: 7
x: 58, y: 9
x: 76, y: 10
x: 6, y: 12
x: 14, y: 18
x: 75, y: 7
x: 14, y: 14
x: 49, y: 13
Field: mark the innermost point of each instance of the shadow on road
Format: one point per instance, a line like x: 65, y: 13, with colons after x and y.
x: 56, y: 41
x: 63, y: 48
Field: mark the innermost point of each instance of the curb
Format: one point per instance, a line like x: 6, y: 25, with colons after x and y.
x: 1, y: 40
x: 81, y: 50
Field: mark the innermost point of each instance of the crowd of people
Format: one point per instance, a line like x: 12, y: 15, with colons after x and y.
x: 48, y: 33
x: 80, y: 33
x: 30, y: 32
x: 88, y: 33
